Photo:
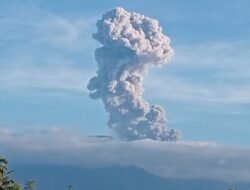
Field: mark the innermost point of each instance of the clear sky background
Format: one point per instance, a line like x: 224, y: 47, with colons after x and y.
x: 47, y: 58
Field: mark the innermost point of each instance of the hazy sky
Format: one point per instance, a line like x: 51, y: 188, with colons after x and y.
x: 47, y: 58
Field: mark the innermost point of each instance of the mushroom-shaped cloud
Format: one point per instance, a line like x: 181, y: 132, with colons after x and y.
x: 131, y: 43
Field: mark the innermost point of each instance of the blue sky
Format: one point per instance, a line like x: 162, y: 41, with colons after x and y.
x: 47, y: 58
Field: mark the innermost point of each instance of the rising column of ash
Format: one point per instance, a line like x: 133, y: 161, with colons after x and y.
x: 131, y: 43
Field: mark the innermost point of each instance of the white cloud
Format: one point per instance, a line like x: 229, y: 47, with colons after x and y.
x: 66, y: 33
x: 205, y: 73
x: 29, y: 25
x: 61, y: 79
x: 205, y: 94
x: 49, y: 50
x: 181, y: 160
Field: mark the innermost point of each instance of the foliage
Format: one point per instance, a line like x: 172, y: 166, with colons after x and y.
x: 30, y: 185
x: 70, y: 187
x: 6, y: 182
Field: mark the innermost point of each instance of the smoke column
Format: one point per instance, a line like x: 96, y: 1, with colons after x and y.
x: 131, y: 43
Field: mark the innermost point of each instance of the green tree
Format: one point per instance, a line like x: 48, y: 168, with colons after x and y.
x: 16, y: 186
x: 30, y: 185
x: 6, y: 182
x: 70, y: 187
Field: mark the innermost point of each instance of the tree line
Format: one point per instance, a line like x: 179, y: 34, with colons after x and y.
x: 8, y: 183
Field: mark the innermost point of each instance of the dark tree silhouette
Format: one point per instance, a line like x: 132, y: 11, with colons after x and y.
x: 70, y: 187
x: 30, y: 185
x: 6, y: 182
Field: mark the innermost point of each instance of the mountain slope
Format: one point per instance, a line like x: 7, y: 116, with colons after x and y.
x: 110, y: 178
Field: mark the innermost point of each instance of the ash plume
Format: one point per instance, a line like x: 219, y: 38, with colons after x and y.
x: 131, y: 43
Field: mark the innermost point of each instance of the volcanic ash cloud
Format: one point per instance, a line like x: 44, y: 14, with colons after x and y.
x: 131, y: 43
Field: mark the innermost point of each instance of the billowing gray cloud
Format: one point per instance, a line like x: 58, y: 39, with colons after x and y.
x: 167, y: 159
x: 131, y: 44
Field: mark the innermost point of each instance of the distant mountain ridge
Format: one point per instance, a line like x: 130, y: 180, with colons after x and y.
x: 111, y: 178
